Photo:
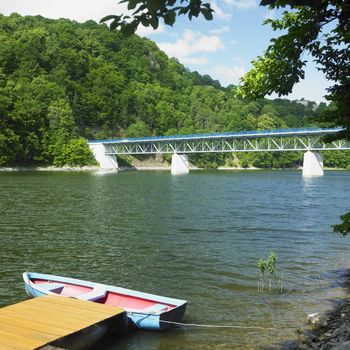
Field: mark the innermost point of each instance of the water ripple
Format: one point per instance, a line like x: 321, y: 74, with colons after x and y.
x: 196, y: 237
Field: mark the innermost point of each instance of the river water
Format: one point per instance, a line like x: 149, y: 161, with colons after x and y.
x: 196, y: 237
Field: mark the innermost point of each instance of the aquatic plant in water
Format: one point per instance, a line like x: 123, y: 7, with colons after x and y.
x: 269, y: 265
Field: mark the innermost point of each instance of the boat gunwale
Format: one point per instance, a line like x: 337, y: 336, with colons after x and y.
x: 174, y: 303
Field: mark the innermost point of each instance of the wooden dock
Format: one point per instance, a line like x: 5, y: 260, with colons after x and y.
x: 52, y: 320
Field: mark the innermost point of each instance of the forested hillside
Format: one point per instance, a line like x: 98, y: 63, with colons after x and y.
x: 62, y: 82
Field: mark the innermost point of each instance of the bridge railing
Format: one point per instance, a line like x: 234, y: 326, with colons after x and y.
x: 311, y: 139
x: 226, y: 135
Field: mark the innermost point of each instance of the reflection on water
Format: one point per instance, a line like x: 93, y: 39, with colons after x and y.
x: 196, y: 237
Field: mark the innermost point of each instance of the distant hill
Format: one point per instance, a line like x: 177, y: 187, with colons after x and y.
x: 61, y: 81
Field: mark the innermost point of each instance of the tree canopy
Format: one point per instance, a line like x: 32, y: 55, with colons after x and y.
x: 149, y: 12
x: 320, y: 28
x: 61, y: 80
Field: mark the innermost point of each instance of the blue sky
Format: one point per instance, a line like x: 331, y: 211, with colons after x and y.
x: 222, y: 48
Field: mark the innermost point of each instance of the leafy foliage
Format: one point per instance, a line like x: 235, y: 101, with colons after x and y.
x: 344, y: 227
x: 138, y: 129
x: 320, y: 28
x: 149, y: 12
x: 317, y: 27
x: 75, y: 153
x: 268, y: 265
x: 262, y: 266
x: 60, y: 80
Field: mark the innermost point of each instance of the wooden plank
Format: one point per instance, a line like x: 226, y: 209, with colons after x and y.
x: 55, y: 312
x: 37, y: 322
x: 23, y: 323
x: 34, y: 311
x: 13, y: 345
x: 34, y: 334
x: 83, y: 304
x: 18, y: 341
x: 51, y: 319
x: 80, y: 306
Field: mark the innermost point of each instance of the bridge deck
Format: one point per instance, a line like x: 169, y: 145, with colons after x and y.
x: 225, y: 135
x: 38, y: 322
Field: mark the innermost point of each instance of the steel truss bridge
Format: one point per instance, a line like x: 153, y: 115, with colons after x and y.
x: 307, y: 139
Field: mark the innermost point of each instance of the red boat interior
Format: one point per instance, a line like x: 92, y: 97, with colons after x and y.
x: 131, y: 303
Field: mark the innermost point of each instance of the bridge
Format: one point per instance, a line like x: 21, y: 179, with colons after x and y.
x: 309, y: 140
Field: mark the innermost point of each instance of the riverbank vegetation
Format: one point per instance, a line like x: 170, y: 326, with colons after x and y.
x: 61, y: 82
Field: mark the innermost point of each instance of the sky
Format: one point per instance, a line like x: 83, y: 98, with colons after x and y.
x: 222, y: 48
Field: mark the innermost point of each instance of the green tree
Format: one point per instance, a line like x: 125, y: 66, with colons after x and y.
x: 75, y: 153
x: 306, y: 26
x: 282, y: 64
x: 148, y: 13
x: 83, y: 80
x: 62, y: 130
x: 344, y: 227
x: 137, y: 129
x: 336, y: 159
x: 266, y: 122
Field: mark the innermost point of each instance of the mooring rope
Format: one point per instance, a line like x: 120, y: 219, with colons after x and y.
x: 214, y: 326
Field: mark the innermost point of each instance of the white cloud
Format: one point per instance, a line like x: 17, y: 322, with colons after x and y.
x: 220, y: 30
x: 227, y: 75
x: 241, y: 4
x: 238, y: 61
x: 192, y: 43
x: 78, y: 10
x: 219, y: 13
x: 147, y: 31
x: 195, y: 60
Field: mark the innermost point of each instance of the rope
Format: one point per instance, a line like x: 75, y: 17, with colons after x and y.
x: 213, y: 326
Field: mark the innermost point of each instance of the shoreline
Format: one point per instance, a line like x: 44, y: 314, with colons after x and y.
x: 142, y: 168
x: 48, y: 168
x: 334, y: 333
x: 328, y: 330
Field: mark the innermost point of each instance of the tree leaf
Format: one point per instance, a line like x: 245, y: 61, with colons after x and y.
x: 132, y: 4
x: 207, y: 14
x: 169, y: 18
x: 115, y: 24
x: 108, y: 18
x: 155, y: 5
x: 144, y: 21
x: 154, y: 22
x: 129, y: 28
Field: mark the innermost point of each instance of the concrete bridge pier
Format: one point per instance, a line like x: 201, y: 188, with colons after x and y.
x: 312, y: 164
x: 179, y: 164
x: 107, y: 162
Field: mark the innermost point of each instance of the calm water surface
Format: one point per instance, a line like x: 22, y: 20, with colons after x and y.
x: 196, y: 237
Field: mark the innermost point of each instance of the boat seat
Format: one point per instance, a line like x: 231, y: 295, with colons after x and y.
x: 155, y: 309
x: 51, y: 287
x: 98, y: 292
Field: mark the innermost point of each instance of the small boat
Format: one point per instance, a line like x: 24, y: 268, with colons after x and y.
x: 144, y: 311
